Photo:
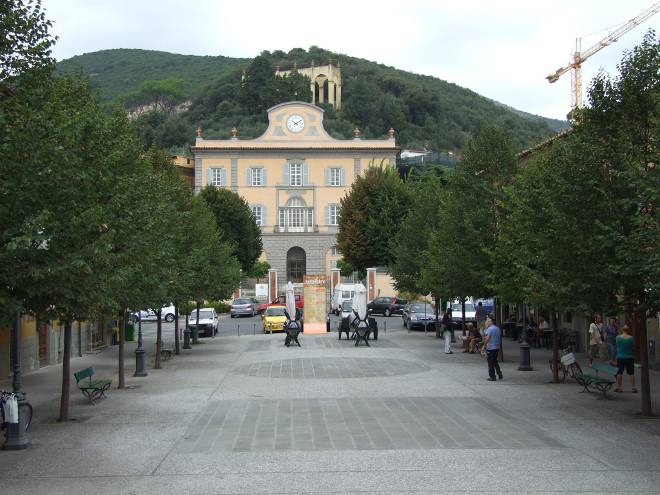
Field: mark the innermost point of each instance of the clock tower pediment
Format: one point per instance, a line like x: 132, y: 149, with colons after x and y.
x: 295, y: 121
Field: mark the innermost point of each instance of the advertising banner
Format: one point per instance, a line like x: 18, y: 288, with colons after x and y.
x: 314, y: 291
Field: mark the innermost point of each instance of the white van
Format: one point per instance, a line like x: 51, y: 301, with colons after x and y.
x: 343, y: 292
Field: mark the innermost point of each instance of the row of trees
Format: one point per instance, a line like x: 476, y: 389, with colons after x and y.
x: 91, y: 224
x: 575, y: 225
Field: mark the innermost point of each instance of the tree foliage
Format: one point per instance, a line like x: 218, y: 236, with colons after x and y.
x: 25, y: 43
x: 236, y: 224
x: 370, y: 216
x: 457, y: 261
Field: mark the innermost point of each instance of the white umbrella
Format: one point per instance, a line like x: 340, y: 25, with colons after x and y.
x: 360, y: 301
x: 290, y: 301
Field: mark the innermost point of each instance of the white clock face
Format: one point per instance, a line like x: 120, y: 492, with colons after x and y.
x: 295, y: 123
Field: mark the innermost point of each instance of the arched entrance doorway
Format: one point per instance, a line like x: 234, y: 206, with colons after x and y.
x: 296, y: 264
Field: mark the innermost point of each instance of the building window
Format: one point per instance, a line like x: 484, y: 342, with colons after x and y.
x: 296, y: 216
x: 217, y: 177
x: 256, y: 177
x: 335, y: 177
x: 333, y: 214
x: 295, y: 174
x: 258, y: 212
x: 335, y: 251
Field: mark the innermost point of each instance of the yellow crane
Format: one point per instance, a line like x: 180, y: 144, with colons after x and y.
x: 575, y: 65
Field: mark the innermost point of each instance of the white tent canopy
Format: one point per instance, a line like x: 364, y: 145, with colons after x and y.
x: 360, y: 301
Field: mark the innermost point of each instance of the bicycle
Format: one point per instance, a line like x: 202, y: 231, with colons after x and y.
x: 568, y: 366
x: 25, y: 410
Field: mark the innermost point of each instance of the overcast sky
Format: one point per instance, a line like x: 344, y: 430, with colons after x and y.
x: 500, y: 49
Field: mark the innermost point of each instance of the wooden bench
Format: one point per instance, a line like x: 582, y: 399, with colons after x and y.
x: 92, y: 389
x: 597, y: 381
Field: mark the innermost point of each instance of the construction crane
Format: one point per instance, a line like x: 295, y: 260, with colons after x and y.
x: 575, y: 65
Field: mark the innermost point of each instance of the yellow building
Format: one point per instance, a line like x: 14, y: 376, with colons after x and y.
x: 293, y: 177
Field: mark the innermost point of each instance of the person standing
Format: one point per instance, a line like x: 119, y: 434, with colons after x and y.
x: 491, y: 349
x: 595, y: 337
x: 447, y: 326
x: 624, y: 359
x: 611, y: 333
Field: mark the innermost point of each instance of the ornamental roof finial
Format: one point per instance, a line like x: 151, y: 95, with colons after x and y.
x: 357, y: 133
x: 234, y: 132
x: 198, y: 132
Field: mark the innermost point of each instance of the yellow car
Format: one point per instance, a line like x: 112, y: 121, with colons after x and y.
x: 274, y: 319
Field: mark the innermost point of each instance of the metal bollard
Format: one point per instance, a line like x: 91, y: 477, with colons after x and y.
x: 254, y: 329
x: 238, y: 330
x: 270, y: 327
x: 385, y: 327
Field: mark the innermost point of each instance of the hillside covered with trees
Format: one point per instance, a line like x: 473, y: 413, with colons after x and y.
x: 425, y: 111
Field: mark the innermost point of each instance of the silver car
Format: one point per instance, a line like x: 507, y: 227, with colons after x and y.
x: 244, y: 306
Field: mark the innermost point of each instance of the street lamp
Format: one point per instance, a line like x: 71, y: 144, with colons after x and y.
x: 139, y: 352
x: 524, y: 345
x: 16, y: 436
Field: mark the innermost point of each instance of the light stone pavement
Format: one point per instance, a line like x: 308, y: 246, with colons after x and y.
x: 248, y: 415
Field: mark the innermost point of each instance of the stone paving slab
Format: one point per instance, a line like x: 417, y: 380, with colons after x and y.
x: 331, y: 367
x: 394, y: 423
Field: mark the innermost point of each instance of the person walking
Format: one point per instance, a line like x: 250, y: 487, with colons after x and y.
x: 611, y: 333
x: 447, y: 326
x: 595, y: 337
x: 624, y: 359
x: 491, y: 349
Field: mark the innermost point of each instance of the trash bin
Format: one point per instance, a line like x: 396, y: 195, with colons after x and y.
x: 129, y: 332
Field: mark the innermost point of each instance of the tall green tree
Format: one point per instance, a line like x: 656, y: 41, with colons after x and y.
x: 457, y: 261
x: 371, y: 213
x: 413, y: 236
x: 236, y: 224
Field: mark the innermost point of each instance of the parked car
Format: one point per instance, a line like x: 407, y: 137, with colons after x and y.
x: 244, y: 306
x: 387, y: 306
x: 207, y: 324
x: 274, y: 318
x: 300, y: 301
x: 167, y: 314
x: 418, y: 315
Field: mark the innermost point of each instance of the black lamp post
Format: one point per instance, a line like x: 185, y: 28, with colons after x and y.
x: 15, y: 434
x: 139, y: 353
x: 525, y: 364
x: 186, y: 334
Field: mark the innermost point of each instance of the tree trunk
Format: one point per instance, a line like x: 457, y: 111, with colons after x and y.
x: 120, y: 340
x: 159, y: 337
x: 66, y: 373
x: 555, y: 348
x: 638, y: 324
x: 177, y: 350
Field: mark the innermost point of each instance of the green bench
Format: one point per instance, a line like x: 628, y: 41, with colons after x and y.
x: 92, y: 389
x: 597, y: 381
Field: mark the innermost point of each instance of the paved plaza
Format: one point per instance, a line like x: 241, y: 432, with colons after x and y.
x: 245, y: 414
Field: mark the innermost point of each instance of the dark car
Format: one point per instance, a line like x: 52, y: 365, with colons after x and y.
x: 387, y: 306
x: 419, y: 315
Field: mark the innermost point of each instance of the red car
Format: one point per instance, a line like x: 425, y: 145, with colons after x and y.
x: 300, y: 301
